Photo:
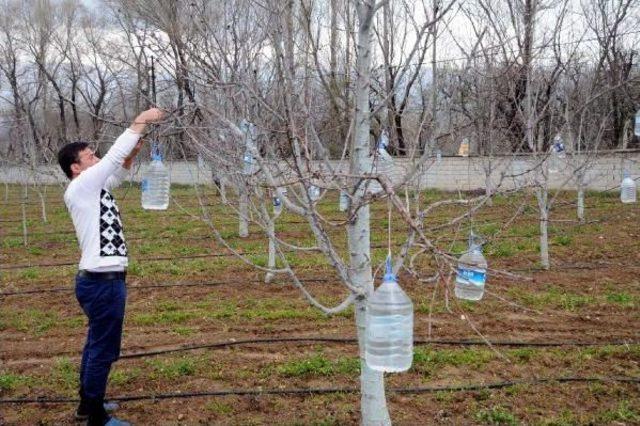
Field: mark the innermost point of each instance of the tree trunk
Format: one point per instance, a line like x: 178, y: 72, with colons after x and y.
x: 373, y: 404
x: 243, y: 227
x: 542, y: 195
x: 580, y: 203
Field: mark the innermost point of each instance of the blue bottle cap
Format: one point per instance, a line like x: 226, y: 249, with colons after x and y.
x: 388, y: 273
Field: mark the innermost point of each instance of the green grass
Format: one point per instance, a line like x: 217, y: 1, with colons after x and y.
x: 319, y: 365
x: 496, y: 416
x: 120, y: 376
x: 624, y: 412
x: 10, y: 381
x: 219, y: 407
x: 172, y: 368
x: 33, y: 321
x: 428, y: 360
x: 64, y: 375
x: 622, y: 299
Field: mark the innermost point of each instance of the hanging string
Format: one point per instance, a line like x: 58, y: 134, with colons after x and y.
x: 468, y: 189
x: 389, y: 227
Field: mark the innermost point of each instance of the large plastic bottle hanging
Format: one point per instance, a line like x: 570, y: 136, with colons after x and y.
x: 628, y: 189
x: 344, y: 200
x: 472, y: 272
x: 557, y: 155
x: 155, y: 183
x: 636, y: 128
x: 389, y: 322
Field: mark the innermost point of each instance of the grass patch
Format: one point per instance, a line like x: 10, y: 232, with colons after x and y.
x: 65, y: 375
x: 562, y: 240
x: 428, y: 360
x: 219, y: 407
x: 624, y: 412
x: 172, y: 368
x: 10, y: 381
x: 496, y: 416
x: 319, y: 365
x: 622, y: 299
x: 121, y: 377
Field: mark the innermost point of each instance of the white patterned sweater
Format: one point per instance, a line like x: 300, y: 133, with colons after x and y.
x: 94, y: 211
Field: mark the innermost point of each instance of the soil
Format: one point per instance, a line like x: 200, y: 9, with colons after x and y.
x: 590, y: 295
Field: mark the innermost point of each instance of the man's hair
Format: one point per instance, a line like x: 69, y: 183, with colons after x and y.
x: 68, y: 155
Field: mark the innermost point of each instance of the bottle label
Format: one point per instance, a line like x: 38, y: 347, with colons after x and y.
x: 476, y: 277
x: 144, y: 185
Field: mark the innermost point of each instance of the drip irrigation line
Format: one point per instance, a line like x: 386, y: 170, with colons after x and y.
x: 353, y: 340
x: 138, y: 287
x: 232, y: 222
x: 319, y: 391
x: 214, y: 255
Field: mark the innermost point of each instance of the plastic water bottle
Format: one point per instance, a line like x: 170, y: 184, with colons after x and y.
x: 314, y: 193
x: 472, y: 273
x: 344, y: 201
x: 385, y: 160
x: 247, y: 162
x: 628, y: 189
x: 438, y: 156
x: 277, y: 205
x: 155, y: 185
x: 558, y: 154
x: 636, y: 128
x: 389, y: 322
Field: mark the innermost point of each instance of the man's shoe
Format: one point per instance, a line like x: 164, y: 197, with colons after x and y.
x: 116, y: 422
x: 82, y: 413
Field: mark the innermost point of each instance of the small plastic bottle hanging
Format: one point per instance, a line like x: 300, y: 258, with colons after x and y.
x: 248, y: 161
x: 472, y: 272
x: 344, y: 200
x: 385, y: 160
x: 155, y: 183
x: 389, y: 323
x: 636, y: 127
x: 277, y: 205
x: 628, y: 190
x: 438, y: 157
x: 314, y: 193
x: 557, y: 155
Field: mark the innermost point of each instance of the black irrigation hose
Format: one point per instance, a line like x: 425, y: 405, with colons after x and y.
x: 320, y: 391
x: 137, y: 287
x: 352, y: 340
x: 207, y: 255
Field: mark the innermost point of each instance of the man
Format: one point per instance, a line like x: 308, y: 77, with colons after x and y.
x: 100, y: 282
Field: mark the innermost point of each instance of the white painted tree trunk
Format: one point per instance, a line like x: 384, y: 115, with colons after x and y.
x: 542, y: 195
x: 43, y: 206
x: 373, y: 403
x: 271, y: 263
x: 243, y: 214
x: 25, y: 199
x: 580, y: 203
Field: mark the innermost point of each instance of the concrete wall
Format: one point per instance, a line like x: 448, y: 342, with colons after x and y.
x: 451, y: 173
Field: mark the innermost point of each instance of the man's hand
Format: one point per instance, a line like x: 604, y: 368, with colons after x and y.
x: 128, y: 162
x: 150, y: 116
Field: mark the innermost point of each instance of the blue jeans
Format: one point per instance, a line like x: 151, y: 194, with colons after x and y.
x: 103, y: 302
